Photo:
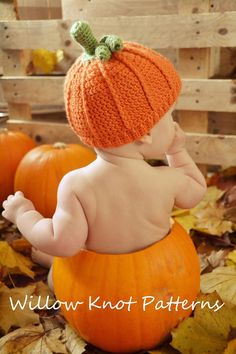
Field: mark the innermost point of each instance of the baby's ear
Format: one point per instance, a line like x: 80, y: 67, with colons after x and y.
x: 147, y: 139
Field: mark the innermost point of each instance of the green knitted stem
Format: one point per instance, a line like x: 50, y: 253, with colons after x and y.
x: 102, y: 52
x: 81, y: 32
x: 114, y: 42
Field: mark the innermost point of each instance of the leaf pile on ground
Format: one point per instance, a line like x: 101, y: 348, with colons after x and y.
x: 212, y: 226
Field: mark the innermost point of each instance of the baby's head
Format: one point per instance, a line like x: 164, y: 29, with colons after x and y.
x: 120, y: 94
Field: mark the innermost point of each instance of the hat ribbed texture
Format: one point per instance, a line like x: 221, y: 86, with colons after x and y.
x: 112, y: 103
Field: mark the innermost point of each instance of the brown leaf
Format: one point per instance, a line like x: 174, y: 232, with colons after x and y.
x: 231, y: 347
x: 21, y: 245
x: 223, y: 179
x: 228, y: 199
x: 212, y: 220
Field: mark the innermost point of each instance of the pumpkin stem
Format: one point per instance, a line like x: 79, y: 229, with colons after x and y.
x: 3, y: 130
x: 59, y: 145
x: 81, y: 33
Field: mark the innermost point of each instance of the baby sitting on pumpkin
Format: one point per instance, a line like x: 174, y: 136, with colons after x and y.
x: 119, y: 99
x: 112, y: 222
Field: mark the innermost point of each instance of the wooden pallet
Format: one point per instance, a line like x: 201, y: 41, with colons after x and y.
x: 199, y: 37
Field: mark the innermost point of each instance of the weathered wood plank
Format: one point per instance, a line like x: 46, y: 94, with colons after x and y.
x: 159, y: 31
x: 74, y: 9
x: 38, y: 10
x: 45, y: 132
x: 197, y: 94
x: 196, y: 63
x: 47, y: 90
x: 212, y: 149
x: 222, y: 5
x: 204, y: 148
x: 208, y: 95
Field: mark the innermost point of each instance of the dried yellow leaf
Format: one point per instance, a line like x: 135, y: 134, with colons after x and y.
x: 18, y: 317
x: 231, y: 258
x: 222, y: 280
x: 207, y: 331
x: 44, y: 60
x: 14, y: 262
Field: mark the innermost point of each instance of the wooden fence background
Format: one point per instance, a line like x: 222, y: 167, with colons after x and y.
x: 198, y: 36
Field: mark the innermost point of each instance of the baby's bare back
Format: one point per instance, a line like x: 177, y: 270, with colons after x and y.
x: 126, y: 209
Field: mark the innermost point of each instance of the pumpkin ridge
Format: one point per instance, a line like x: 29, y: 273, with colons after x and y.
x: 83, y: 95
x: 142, y: 80
x: 160, y: 280
x: 72, y: 289
x: 136, y: 73
x: 68, y: 84
x: 102, y: 71
x: 138, y: 51
x: 111, y: 86
x: 89, y: 270
x: 94, y: 269
x: 103, y: 283
x: 138, y: 297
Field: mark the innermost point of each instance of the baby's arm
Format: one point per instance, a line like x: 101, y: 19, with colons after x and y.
x: 189, y: 181
x: 63, y: 235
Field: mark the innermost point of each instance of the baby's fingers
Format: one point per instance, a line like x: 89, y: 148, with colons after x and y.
x: 19, y: 194
x: 4, y: 214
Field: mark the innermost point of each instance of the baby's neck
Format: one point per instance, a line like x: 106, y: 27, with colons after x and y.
x: 122, y: 159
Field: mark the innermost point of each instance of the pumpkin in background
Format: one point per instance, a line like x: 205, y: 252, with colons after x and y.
x: 169, y: 268
x: 13, y: 146
x: 41, y: 170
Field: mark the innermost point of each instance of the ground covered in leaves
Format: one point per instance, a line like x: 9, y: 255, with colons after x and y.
x: 212, y: 226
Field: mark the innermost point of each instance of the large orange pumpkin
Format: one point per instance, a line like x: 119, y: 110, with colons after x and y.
x: 168, y: 268
x: 13, y: 146
x: 41, y: 170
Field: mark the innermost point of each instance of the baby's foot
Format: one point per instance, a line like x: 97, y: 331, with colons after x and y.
x: 41, y: 258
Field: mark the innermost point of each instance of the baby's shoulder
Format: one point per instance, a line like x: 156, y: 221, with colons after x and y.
x: 76, y: 181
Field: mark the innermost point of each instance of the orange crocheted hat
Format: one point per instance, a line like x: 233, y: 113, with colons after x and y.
x: 116, y: 91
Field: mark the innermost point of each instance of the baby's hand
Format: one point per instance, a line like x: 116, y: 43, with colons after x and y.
x: 14, y: 205
x: 179, y: 140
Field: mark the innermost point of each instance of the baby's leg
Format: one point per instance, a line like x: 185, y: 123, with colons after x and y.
x: 44, y: 260
x: 41, y: 258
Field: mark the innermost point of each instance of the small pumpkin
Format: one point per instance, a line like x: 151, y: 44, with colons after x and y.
x: 169, y: 268
x: 13, y: 146
x: 41, y: 170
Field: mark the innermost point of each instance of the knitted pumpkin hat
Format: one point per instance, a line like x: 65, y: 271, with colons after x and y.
x: 116, y: 91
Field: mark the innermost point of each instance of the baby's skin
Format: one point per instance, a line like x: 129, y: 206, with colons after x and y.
x: 119, y: 203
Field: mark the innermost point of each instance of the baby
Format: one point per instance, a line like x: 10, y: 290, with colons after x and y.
x: 119, y: 203
x: 112, y: 223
